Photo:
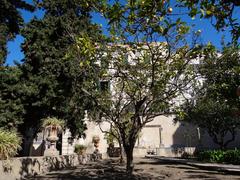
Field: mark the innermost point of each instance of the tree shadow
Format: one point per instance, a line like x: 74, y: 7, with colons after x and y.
x: 184, y: 136
x: 30, y: 166
x: 158, y: 162
x: 102, y: 170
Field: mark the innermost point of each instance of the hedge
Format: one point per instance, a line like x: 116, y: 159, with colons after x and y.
x: 220, y: 156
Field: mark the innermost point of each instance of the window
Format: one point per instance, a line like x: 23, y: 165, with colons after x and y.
x: 104, y: 86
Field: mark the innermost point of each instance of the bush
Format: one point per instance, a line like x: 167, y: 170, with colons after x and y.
x: 10, y: 143
x: 220, y: 156
x: 79, y: 148
x: 53, y: 122
x: 232, y: 156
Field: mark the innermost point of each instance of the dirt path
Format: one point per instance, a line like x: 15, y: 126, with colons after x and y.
x: 144, y: 169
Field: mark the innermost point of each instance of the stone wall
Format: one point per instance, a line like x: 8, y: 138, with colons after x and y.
x: 21, y: 168
x: 93, y: 129
x: 161, y: 135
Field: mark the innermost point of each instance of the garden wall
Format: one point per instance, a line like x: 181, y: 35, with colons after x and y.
x: 21, y: 168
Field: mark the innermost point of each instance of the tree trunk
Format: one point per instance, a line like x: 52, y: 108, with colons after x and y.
x: 129, y: 154
x: 233, y: 134
x: 121, y: 152
x: 27, y: 146
x: 217, y: 140
x: 221, y: 144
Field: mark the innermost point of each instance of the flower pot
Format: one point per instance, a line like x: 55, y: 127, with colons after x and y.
x: 95, y: 139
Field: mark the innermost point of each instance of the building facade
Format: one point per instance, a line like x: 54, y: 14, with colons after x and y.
x: 161, y: 136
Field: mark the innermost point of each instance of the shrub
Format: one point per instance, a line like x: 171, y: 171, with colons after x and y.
x: 52, y: 122
x: 212, y: 156
x: 220, y: 156
x: 232, y: 156
x: 10, y: 143
x: 79, y: 148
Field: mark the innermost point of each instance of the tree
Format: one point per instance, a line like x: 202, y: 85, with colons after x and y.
x: 140, y: 77
x: 52, y: 79
x: 141, y: 89
x: 216, y: 105
x: 217, y: 117
x: 10, y: 22
x: 221, y: 12
x: 11, y: 107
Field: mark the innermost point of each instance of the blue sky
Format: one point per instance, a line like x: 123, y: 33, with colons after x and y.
x: 14, y: 50
x: 209, y: 34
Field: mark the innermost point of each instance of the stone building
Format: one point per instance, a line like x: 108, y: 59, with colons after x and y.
x: 161, y: 136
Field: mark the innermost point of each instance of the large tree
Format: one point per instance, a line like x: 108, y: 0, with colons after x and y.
x: 10, y: 22
x: 11, y: 107
x: 141, y: 88
x: 140, y: 77
x: 52, y: 78
x: 215, y: 106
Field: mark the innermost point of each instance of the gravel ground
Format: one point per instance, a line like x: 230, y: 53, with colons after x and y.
x: 146, y: 169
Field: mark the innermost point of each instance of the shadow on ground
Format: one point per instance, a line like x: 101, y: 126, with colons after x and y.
x: 145, y: 169
x: 99, y: 170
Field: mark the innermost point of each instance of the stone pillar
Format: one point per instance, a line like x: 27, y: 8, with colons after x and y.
x: 160, y: 137
x: 67, y: 147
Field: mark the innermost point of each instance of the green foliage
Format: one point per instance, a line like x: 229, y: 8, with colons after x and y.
x: 52, y: 121
x: 11, y: 107
x: 79, y: 148
x: 145, y: 74
x: 161, y: 16
x: 223, y: 13
x: 111, y: 136
x: 219, y: 156
x: 222, y: 74
x: 53, y: 73
x: 212, y: 156
x: 215, y: 107
x: 10, y: 22
x: 132, y: 18
x: 232, y: 156
x: 9, y: 143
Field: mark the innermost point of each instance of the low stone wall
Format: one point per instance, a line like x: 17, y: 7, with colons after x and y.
x: 20, y: 168
x: 140, y: 152
x: 163, y: 151
x: 175, y: 152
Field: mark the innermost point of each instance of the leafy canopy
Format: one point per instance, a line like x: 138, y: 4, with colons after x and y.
x: 52, y: 74
x: 143, y: 70
x: 215, y: 106
x: 10, y: 22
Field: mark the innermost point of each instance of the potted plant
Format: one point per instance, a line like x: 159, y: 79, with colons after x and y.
x: 95, y: 141
x: 80, y: 149
x: 9, y: 144
x: 53, y: 126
